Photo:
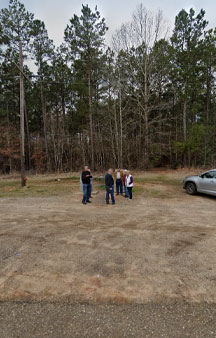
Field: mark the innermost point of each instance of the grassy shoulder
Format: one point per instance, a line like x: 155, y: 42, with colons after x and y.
x: 158, y: 186
x: 42, y: 186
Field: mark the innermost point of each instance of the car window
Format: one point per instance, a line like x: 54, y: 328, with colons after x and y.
x: 214, y: 174
x: 210, y: 174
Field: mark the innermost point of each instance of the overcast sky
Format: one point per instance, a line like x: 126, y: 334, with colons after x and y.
x: 56, y: 13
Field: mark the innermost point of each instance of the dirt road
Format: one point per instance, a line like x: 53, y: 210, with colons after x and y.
x: 158, y: 247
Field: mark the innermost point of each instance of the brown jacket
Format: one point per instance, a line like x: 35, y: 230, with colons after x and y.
x: 121, y: 174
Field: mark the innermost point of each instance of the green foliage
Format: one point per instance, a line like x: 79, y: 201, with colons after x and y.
x: 195, y: 140
x: 148, y: 102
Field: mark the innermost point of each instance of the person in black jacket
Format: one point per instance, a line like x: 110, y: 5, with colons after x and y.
x: 109, y: 183
x: 86, y: 181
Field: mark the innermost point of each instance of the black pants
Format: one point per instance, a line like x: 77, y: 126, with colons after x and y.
x: 119, y: 185
x: 130, y: 192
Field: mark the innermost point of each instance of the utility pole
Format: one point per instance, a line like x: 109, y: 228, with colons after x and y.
x: 22, y: 119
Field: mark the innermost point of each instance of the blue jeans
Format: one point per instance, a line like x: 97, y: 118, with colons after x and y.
x: 119, y: 185
x: 86, y: 192
x: 110, y: 192
x: 90, y: 189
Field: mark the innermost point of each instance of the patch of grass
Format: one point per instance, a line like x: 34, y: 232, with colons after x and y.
x: 9, y: 183
x: 99, y: 179
x: 42, y: 190
x: 64, y: 179
x: 159, y: 180
x: 101, y: 186
x: 37, y: 187
x: 138, y: 189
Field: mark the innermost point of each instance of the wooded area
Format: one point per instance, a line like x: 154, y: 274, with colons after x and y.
x: 148, y: 100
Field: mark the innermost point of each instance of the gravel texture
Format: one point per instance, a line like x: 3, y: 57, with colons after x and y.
x: 61, y: 320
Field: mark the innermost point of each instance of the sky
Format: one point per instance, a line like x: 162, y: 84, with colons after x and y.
x: 57, y: 13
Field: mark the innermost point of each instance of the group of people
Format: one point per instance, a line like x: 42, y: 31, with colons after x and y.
x: 121, y: 178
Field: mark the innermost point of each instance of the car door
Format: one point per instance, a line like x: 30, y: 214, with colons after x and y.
x: 207, y: 182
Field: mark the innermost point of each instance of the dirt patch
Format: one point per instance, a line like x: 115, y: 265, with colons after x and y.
x: 157, y: 246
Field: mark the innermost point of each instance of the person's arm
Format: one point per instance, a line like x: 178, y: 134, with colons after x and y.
x: 111, y: 182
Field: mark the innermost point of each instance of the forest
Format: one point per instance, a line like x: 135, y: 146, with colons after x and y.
x: 147, y: 100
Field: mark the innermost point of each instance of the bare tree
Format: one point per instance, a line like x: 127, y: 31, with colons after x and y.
x: 138, y: 38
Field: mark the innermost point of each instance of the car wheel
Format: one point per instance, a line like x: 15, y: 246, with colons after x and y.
x: 191, y: 188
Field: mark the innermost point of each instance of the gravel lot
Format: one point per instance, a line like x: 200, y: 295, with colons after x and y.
x: 37, y: 320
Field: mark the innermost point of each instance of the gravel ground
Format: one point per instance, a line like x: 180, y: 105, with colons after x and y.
x: 60, y: 320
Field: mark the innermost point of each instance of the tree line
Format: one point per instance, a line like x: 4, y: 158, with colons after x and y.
x: 148, y: 100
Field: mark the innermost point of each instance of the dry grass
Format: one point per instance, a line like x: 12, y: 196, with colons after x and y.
x: 159, y: 245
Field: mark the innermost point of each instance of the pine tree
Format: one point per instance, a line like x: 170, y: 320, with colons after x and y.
x: 187, y: 53
x: 85, y: 39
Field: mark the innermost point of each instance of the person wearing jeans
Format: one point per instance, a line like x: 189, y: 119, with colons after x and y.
x: 124, y: 184
x: 119, y: 181
x: 109, y: 184
x: 129, y: 184
x: 86, y: 177
x: 86, y: 193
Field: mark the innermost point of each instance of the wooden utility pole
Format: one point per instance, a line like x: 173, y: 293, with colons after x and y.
x: 22, y: 118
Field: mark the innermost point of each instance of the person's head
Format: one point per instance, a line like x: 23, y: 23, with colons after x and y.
x: 118, y: 169
x: 127, y: 173
x: 110, y: 171
x: 86, y: 168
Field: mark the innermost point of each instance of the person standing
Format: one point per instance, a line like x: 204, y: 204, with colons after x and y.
x: 124, y: 184
x: 91, y: 184
x: 118, y: 175
x: 86, y: 176
x: 109, y: 184
x: 129, y: 184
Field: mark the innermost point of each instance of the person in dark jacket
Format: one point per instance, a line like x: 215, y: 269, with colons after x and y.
x: 109, y: 183
x: 86, y: 181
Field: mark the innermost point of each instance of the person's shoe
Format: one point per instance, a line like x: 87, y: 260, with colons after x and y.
x: 83, y: 202
x: 88, y: 201
x: 113, y: 203
x: 117, y: 194
x: 107, y: 202
x: 126, y: 196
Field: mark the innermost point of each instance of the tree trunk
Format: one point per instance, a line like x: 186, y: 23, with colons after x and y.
x: 90, y: 116
x: 8, y: 139
x: 22, y: 121
x: 28, y: 138
x: 146, y: 153
x: 44, y: 113
x: 185, y: 129
x: 117, y: 137
x: 121, y: 131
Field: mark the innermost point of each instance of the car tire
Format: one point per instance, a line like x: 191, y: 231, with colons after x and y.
x: 191, y: 188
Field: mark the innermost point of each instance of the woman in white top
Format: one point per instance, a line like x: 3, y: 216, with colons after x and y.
x: 129, y: 184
